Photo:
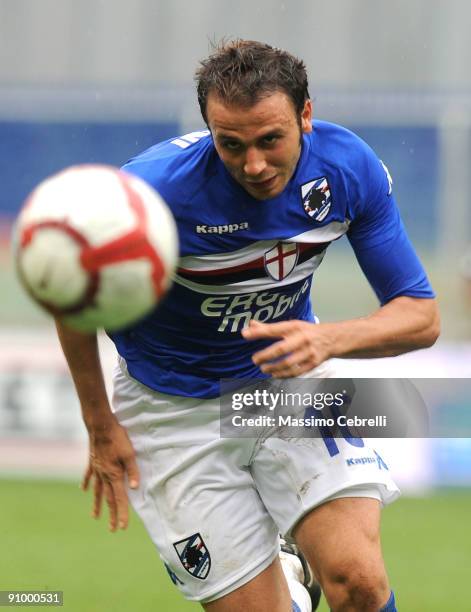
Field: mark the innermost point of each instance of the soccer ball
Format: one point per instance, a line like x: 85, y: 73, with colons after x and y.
x: 96, y: 247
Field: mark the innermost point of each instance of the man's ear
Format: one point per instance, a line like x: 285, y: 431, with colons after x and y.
x: 306, y: 117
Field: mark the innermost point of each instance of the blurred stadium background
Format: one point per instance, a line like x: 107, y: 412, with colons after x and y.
x: 100, y: 80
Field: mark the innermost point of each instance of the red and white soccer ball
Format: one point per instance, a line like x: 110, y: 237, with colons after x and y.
x: 96, y: 247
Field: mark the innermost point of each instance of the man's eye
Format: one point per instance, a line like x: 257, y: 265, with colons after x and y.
x: 270, y: 139
x: 231, y: 145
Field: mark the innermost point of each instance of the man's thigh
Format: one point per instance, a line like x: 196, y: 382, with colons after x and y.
x: 341, y: 540
x: 267, y: 592
x: 340, y: 531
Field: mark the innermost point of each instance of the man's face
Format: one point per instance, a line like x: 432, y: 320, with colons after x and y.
x: 260, y: 145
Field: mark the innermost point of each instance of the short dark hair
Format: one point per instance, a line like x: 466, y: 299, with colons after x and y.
x: 242, y: 72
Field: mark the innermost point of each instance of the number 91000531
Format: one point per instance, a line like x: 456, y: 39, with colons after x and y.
x: 31, y: 598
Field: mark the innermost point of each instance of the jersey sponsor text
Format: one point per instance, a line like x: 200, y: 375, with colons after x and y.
x: 236, y: 311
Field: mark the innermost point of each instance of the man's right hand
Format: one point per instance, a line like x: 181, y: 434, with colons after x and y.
x: 112, y: 463
x: 112, y: 466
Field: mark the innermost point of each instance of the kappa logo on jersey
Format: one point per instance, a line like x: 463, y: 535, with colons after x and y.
x: 222, y: 229
x: 316, y: 198
x: 281, y: 260
x: 194, y: 556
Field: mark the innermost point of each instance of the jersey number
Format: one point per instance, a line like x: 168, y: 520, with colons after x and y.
x: 330, y: 436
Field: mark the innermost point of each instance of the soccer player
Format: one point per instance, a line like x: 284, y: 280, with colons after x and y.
x: 258, y: 198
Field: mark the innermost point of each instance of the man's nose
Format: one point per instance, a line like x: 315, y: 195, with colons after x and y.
x: 254, y: 163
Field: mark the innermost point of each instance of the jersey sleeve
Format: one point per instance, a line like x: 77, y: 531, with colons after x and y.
x: 379, y: 239
x: 150, y: 171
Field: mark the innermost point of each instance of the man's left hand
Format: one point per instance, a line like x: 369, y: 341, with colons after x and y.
x: 301, y: 347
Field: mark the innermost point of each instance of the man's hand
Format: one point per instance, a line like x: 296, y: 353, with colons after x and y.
x: 112, y: 462
x: 112, y: 458
x: 302, y: 347
x: 403, y: 324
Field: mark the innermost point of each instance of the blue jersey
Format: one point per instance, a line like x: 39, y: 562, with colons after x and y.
x: 243, y: 258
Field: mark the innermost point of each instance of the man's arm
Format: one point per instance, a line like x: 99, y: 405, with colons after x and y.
x: 403, y: 324
x: 112, y: 457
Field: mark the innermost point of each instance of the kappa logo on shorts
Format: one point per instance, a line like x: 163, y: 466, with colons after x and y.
x: 366, y: 460
x: 316, y: 198
x: 194, y: 556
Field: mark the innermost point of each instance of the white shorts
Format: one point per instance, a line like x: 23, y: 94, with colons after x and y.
x: 215, y: 507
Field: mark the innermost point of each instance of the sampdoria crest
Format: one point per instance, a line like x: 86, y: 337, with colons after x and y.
x: 194, y: 556
x: 316, y: 198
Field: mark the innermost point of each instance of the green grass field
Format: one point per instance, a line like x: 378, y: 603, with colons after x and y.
x: 48, y: 541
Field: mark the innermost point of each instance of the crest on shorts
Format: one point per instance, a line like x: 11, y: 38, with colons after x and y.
x: 281, y: 259
x: 316, y: 198
x: 194, y: 556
